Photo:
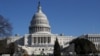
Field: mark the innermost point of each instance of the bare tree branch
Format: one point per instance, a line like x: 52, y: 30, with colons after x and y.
x: 5, y: 27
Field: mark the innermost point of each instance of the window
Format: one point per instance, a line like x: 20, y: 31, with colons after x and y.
x: 44, y: 40
x: 41, y: 40
x: 38, y: 39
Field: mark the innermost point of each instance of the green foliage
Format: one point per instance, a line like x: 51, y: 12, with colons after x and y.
x: 83, y: 46
x: 57, y: 51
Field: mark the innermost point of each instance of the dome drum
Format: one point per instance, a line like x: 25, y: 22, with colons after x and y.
x: 39, y: 29
x: 37, y: 21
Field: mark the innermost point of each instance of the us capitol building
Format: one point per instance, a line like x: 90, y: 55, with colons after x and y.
x: 40, y: 40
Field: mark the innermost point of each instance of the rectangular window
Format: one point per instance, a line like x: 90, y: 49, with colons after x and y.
x: 38, y: 39
x: 44, y: 40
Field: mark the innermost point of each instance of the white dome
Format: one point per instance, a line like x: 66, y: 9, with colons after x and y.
x: 39, y: 22
x: 39, y: 15
x: 39, y: 18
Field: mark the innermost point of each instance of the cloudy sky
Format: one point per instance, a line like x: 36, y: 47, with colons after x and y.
x: 71, y: 17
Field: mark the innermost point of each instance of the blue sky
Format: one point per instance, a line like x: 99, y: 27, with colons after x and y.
x: 71, y: 17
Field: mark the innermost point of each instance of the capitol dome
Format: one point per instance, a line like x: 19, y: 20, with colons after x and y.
x: 39, y: 22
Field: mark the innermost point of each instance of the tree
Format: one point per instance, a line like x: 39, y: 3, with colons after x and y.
x: 5, y: 27
x: 3, y: 44
x: 7, y: 48
x: 57, y: 51
x: 11, y: 48
x: 83, y: 46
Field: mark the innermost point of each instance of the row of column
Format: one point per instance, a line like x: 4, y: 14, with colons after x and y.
x: 41, y: 40
x: 94, y: 39
x: 36, y: 29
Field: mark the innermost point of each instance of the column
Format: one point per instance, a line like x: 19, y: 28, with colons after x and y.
x: 36, y: 39
x: 32, y: 40
x: 40, y: 40
x: 43, y: 40
x: 44, y: 29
